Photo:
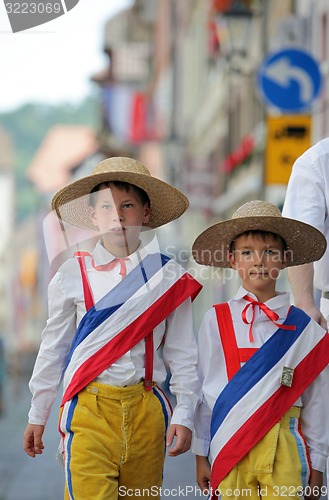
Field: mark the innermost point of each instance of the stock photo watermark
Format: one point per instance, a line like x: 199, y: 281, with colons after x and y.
x: 62, y: 240
x: 189, y: 490
x: 26, y: 14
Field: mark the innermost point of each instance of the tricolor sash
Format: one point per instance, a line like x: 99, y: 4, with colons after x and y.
x: 124, y: 316
x: 254, y: 399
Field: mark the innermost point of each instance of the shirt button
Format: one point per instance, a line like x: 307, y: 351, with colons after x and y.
x: 94, y: 390
x: 147, y: 383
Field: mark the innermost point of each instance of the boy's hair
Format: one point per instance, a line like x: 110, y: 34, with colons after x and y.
x: 123, y: 186
x: 263, y: 234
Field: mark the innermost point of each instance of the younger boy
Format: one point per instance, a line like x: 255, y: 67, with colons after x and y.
x: 263, y: 422
x: 109, y: 313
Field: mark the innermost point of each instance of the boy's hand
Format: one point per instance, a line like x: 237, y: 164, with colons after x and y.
x: 203, y: 471
x: 315, y: 484
x: 183, y: 439
x: 33, y: 444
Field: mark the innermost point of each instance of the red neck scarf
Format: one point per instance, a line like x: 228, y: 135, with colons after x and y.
x: 272, y: 316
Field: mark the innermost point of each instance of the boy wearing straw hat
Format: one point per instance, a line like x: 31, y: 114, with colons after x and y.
x: 109, y: 313
x: 262, y: 429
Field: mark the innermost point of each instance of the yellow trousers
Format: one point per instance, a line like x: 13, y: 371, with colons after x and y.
x: 114, y: 442
x: 276, y: 467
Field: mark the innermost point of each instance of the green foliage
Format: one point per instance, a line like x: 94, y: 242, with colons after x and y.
x: 28, y: 126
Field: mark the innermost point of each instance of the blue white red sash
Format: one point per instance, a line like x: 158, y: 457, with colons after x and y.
x: 124, y: 316
x: 254, y: 400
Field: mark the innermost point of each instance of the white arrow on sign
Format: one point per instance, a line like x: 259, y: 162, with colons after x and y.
x: 281, y: 72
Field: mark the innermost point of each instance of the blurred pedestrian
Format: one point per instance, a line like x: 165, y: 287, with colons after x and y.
x: 109, y: 312
x: 263, y: 365
x: 307, y: 199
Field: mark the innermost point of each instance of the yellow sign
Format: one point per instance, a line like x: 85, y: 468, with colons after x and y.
x: 288, y: 137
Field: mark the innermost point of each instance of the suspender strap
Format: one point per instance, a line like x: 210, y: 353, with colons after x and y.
x: 233, y: 354
x: 89, y: 299
x: 245, y: 353
x: 227, y: 335
x: 149, y: 353
x: 89, y: 303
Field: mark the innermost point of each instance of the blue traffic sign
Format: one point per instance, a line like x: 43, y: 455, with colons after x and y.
x: 289, y: 79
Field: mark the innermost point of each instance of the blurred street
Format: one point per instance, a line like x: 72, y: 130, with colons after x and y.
x: 24, y: 478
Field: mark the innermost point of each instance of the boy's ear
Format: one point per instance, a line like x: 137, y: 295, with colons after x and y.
x: 285, y: 260
x: 92, y: 215
x: 232, y: 260
x: 147, y: 213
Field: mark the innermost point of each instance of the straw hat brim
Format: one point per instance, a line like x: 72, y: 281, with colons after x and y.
x: 71, y: 202
x: 304, y: 243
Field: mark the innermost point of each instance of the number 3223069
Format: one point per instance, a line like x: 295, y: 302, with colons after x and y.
x: 33, y: 8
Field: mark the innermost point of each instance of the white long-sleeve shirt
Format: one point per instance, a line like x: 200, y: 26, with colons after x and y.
x: 212, y: 372
x: 307, y: 200
x: 66, y: 309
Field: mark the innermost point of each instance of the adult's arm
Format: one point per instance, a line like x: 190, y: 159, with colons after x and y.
x: 306, y: 201
x: 301, y: 282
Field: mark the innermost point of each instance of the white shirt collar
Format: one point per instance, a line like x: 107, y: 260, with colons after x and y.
x: 148, y: 244
x: 281, y: 299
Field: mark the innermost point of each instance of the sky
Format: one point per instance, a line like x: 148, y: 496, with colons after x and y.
x: 52, y: 63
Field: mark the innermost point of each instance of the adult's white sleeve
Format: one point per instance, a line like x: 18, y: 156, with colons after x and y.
x: 305, y: 198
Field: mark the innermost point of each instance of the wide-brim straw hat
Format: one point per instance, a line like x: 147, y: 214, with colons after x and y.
x: 304, y: 243
x: 71, y: 202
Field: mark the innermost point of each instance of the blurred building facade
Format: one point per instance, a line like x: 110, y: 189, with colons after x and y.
x: 183, y: 77
x: 179, y: 92
x: 7, y: 218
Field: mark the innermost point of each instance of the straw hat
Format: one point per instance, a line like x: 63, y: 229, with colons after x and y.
x: 304, y: 243
x: 71, y: 202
